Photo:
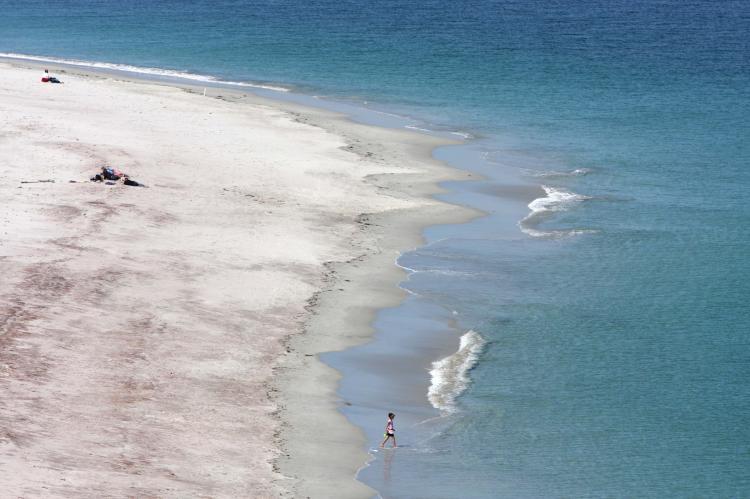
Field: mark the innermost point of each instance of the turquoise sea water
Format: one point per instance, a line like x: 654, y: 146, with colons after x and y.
x: 617, y: 355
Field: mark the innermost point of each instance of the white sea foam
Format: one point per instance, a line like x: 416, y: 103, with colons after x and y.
x: 447, y: 272
x: 555, y: 200
x: 404, y: 267
x: 412, y: 127
x: 463, y: 135
x: 385, y: 113
x: 578, y: 172
x: 184, y: 75
x: 450, y: 376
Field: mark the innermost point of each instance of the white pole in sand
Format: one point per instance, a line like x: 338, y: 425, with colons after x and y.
x: 204, y: 91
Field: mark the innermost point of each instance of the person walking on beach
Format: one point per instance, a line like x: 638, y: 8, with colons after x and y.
x: 390, y: 431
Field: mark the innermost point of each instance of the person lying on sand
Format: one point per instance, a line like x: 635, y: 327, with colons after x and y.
x: 112, y: 175
x: 126, y: 180
x: 107, y: 174
x: 49, y: 79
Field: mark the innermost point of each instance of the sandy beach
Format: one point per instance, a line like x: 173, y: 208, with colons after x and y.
x: 163, y: 341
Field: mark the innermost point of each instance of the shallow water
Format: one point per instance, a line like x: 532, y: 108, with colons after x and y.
x: 615, y: 319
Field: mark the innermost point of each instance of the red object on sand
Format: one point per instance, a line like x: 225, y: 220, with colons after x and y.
x: 45, y: 79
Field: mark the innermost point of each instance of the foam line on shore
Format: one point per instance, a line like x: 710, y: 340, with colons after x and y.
x: 183, y: 75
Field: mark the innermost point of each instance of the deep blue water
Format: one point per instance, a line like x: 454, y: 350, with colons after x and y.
x: 618, y: 358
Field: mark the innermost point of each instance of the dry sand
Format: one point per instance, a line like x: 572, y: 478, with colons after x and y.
x: 150, y: 338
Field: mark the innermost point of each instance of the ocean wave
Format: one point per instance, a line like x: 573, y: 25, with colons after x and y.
x: 418, y: 129
x: 463, y: 135
x: 404, y: 267
x: 578, y: 172
x: 450, y: 376
x: 437, y: 129
x: 443, y: 272
x: 184, y: 75
x: 558, y: 233
x: 450, y: 272
x: 385, y: 113
x: 555, y: 200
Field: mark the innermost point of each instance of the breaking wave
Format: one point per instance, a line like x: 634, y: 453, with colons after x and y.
x: 555, y: 200
x: 450, y: 376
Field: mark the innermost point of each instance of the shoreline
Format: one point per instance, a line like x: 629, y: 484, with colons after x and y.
x: 581, y: 338
x: 343, y: 318
x: 379, y: 248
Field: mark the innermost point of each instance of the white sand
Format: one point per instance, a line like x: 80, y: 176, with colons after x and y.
x: 146, y: 333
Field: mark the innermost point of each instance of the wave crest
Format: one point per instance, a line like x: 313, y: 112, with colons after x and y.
x: 450, y: 376
x: 555, y: 200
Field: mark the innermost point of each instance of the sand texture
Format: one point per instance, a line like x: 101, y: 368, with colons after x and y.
x: 143, y: 330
